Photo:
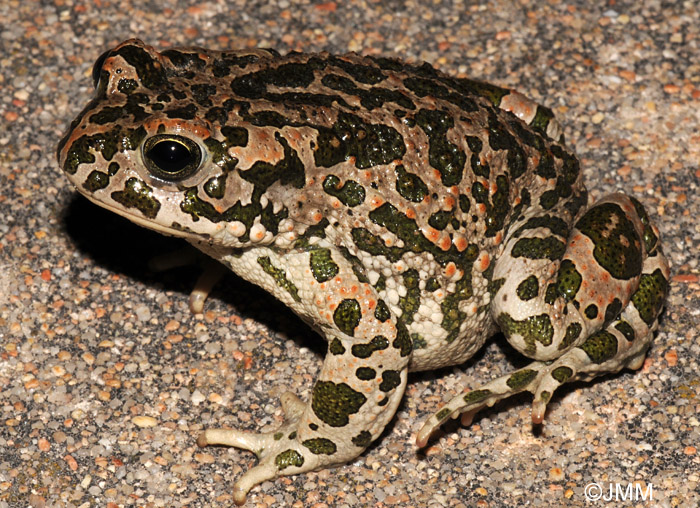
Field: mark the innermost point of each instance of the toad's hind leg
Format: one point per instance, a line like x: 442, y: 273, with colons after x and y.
x: 363, y: 375
x: 570, y: 345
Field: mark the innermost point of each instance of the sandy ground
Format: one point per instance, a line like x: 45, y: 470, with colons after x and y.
x: 106, y: 377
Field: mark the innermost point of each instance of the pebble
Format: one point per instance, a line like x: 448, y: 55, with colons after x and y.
x: 144, y: 421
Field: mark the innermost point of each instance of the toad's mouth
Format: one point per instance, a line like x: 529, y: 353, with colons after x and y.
x: 142, y: 221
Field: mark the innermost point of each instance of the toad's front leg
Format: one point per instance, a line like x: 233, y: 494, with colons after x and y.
x: 363, y: 375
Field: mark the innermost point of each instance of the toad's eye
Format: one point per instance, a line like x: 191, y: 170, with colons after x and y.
x: 171, y: 157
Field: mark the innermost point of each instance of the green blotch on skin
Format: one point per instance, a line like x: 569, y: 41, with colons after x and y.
x: 322, y: 265
x: 336, y: 347
x: 410, y: 186
x: 551, y: 294
x: 296, y: 75
x: 443, y: 414
x: 375, y: 245
x: 648, y: 236
x: 390, y: 380
x: 617, y: 246
x: 479, y: 168
x: 525, y: 201
x: 490, y: 92
x: 573, y: 332
x: 350, y: 194
x: 367, y: 74
x: 625, y: 329
x: 520, y: 379
x: 650, y: 295
x: 432, y: 285
x: 280, y: 277
x: 497, y: 210
x: 380, y: 285
x: 219, y: 154
x: 533, y: 329
x: 500, y: 138
x: 317, y: 230
x: 382, y: 312
x: 215, y: 187
x: 334, y: 403
x: 542, y: 119
x: 479, y: 192
x: 475, y: 396
x: 347, y: 316
x: 288, y: 171
x: 549, y: 199
x: 591, y: 312
x: 362, y: 440
x: 137, y: 194
x: 201, y: 93
x: 410, y: 303
x: 612, y: 311
x: 320, y: 446
x: 568, y: 280
x: 528, y: 289
x: 365, y: 373
x: 546, y: 168
x: 495, y: 285
x: 371, y: 98
x: 428, y: 82
x: 365, y: 350
x: 418, y: 341
x: 443, y: 155
x: 126, y: 86
x: 539, y: 248
x: 150, y: 74
x: 556, y: 225
x: 407, y: 230
x: 562, y: 374
x: 350, y: 136
x: 577, y: 202
x: 235, y: 136
x: 600, y: 347
x: 106, y: 143
x: 439, y: 220
x: 292, y: 435
x: 278, y: 436
x: 96, y: 180
x: 185, y: 112
x: 289, y: 458
x: 402, y: 342
x: 464, y: 203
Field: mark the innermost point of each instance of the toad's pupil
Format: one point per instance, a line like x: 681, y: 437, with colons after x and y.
x: 170, y: 156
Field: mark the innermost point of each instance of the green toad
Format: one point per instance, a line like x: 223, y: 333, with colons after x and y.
x: 407, y: 214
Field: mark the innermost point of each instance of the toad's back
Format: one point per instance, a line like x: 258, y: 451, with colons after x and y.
x: 400, y: 211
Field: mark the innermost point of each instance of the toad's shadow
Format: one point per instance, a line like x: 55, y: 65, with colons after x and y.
x: 120, y: 246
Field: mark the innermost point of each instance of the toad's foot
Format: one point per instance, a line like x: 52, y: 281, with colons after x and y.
x: 538, y: 378
x: 277, y: 451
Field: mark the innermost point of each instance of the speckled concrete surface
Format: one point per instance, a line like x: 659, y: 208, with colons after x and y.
x: 106, y: 378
